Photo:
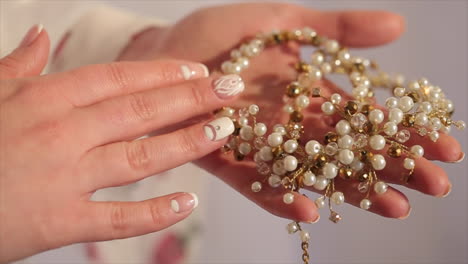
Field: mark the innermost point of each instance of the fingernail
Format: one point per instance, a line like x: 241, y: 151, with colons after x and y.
x: 184, y: 202
x: 447, y: 192
x: 219, y: 128
x: 407, y: 215
x: 31, y: 35
x: 314, y: 221
x: 228, y: 85
x: 189, y: 71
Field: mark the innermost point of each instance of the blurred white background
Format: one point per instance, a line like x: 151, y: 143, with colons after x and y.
x: 434, y: 45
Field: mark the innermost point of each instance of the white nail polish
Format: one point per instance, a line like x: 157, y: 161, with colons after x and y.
x: 206, y: 72
x: 195, y: 199
x: 228, y: 85
x: 186, y: 72
x: 175, y: 206
x: 219, y: 128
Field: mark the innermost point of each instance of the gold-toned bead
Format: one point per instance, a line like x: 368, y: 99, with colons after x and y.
x: 296, y: 116
x: 351, y: 108
x: 238, y: 156
x: 446, y: 121
x: 237, y: 128
x: 369, y: 128
x: 320, y: 160
x: 317, y: 40
x: 394, y: 151
x: 316, y: 92
x: 414, y: 96
x: 359, y: 67
x: 334, y: 217
x: 365, y: 109
x: 278, y: 38
x: 303, y: 67
x: 364, y: 176
x: 408, y: 120
x: 293, y: 90
x: 277, y: 151
x: 331, y: 137
x: 346, y: 173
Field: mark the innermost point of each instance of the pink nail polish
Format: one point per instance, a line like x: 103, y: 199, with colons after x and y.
x: 184, y: 202
x: 32, y: 35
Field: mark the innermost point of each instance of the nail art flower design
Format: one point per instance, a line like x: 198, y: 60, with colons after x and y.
x: 229, y: 85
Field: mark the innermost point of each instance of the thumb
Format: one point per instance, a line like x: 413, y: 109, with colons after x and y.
x: 29, y: 58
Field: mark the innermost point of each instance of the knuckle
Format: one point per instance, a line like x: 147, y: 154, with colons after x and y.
x: 188, y: 144
x: 142, y: 106
x: 138, y: 155
x: 118, y: 219
x: 158, y: 215
x: 9, y: 67
x: 168, y: 71
x: 117, y: 74
x: 197, y: 95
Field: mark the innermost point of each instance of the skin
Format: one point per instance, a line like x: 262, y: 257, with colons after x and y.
x: 75, y: 129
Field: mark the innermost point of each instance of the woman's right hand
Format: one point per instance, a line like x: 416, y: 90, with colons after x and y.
x: 66, y: 135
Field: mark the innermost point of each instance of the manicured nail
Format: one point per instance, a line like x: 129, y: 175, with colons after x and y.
x: 447, y: 192
x: 314, y: 221
x: 32, y: 34
x: 228, y: 85
x: 460, y: 159
x: 407, y: 215
x: 184, y: 202
x: 189, y: 71
x: 219, y: 128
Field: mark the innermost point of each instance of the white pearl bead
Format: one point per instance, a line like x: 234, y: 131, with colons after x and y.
x: 317, y: 58
x: 434, y: 136
x: 278, y: 167
x: 243, y: 62
x: 399, y: 91
x: 421, y: 119
x: 243, y: 121
x: 278, y: 128
x: 377, y: 142
x: 391, y: 102
x: 246, y: 133
x: 315, y: 74
x: 288, y: 198
x: 365, y: 204
x: 331, y: 46
x: 275, y: 139
x: 253, y: 109
x: 265, y: 153
x: 305, y: 237
x: 343, y: 127
x: 435, y: 123
x: 321, y: 183
x: 235, y: 54
x: 417, y: 151
x: 395, y: 115
x: 309, y: 178
x: 413, y: 85
x: 320, y: 202
x: 288, y: 109
x: 256, y: 186
x: 292, y: 228
x: 313, y: 147
x: 260, y: 129
x: 326, y: 68
x: 425, y: 107
x: 378, y: 162
x: 345, y: 142
x: 330, y: 170
x: 337, y: 198
x: 390, y: 128
x: 274, y: 180
x: 357, y: 165
x: 346, y: 156
x: 405, y: 103
x: 245, y: 148
x: 328, y: 108
x: 380, y: 187
x: 408, y: 164
x: 344, y: 55
x: 302, y: 101
x: 335, y: 98
x: 290, y: 163
x: 376, y: 116
x: 290, y: 146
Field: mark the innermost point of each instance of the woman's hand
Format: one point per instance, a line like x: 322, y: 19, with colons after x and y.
x: 209, y: 34
x: 66, y: 135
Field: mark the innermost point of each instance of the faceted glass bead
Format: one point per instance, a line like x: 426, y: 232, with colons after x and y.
x: 403, y: 136
x: 334, y: 217
x: 244, y: 112
x: 363, y: 187
x: 316, y: 92
x: 422, y: 131
x: 358, y: 121
x: 260, y: 142
x: 331, y: 149
x: 360, y: 140
x: 263, y: 168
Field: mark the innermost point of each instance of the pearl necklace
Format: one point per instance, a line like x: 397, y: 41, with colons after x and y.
x: 355, y: 150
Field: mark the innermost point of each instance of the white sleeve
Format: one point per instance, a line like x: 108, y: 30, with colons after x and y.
x: 98, y: 37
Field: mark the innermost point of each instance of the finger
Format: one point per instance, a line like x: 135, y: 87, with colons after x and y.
x: 29, y: 58
x: 438, y: 150
x: 126, y: 162
x: 392, y: 203
x: 240, y: 176
x: 113, y: 220
x: 356, y: 28
x: 139, y: 113
x: 91, y: 84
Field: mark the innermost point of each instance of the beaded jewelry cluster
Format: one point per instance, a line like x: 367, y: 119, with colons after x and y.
x: 364, y: 138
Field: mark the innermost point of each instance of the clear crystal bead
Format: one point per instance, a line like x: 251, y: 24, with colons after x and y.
x: 363, y: 187
x: 360, y: 140
x: 422, y: 131
x: 244, y: 112
x: 402, y: 136
x: 304, y: 79
x: 260, y: 142
x: 358, y: 121
x: 263, y: 168
x: 331, y: 149
x: 460, y: 124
